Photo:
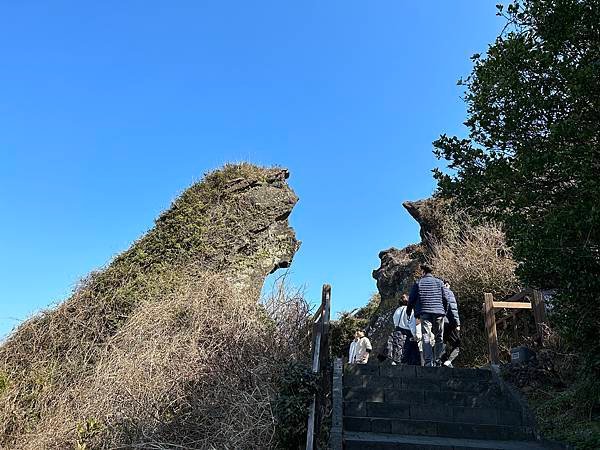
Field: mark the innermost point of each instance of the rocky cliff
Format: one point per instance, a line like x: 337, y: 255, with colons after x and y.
x: 133, y: 355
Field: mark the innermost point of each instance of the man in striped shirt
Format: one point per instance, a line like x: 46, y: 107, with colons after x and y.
x: 429, y: 299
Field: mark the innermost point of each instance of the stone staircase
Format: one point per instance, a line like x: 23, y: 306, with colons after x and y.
x: 409, y: 407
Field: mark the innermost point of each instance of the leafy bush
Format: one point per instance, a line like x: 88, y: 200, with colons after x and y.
x: 369, y: 310
x: 342, y: 333
x: 296, y: 388
x: 568, y: 415
x: 565, y: 403
x: 530, y: 160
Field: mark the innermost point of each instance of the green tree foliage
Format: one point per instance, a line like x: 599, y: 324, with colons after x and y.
x: 298, y: 384
x: 532, y: 155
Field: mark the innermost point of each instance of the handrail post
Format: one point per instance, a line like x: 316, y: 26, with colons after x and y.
x: 490, y: 328
x: 324, y: 351
x: 539, y: 313
x: 320, y: 360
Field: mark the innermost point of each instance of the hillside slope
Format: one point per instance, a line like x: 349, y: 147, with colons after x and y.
x: 167, y: 345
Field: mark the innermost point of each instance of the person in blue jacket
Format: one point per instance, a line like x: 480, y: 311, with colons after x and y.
x: 451, y: 329
x: 429, y: 299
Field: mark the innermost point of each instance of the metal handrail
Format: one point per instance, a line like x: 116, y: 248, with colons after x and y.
x: 320, y: 362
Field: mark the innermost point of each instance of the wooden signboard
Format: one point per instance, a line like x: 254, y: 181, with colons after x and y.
x: 490, y: 307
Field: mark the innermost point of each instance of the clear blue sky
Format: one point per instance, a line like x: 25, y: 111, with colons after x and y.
x: 110, y: 109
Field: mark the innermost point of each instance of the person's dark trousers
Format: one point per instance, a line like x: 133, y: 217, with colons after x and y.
x: 432, y: 325
x: 410, y: 353
x: 399, y: 340
x: 452, y: 343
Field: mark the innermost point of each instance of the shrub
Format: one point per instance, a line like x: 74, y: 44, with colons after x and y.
x: 475, y: 259
x: 3, y: 382
x: 165, y: 347
x: 296, y: 389
x: 342, y: 333
x: 564, y: 401
x: 289, y: 313
x: 368, y: 312
x: 196, y: 365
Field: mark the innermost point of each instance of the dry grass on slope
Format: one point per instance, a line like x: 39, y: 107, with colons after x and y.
x: 167, y: 346
x: 475, y: 258
x: 195, y: 366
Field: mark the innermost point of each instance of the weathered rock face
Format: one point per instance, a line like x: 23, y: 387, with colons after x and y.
x: 233, y: 226
x: 234, y: 222
x: 396, y: 273
x: 432, y: 216
x: 261, y: 240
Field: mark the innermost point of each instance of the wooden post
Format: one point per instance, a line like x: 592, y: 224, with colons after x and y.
x: 539, y: 313
x: 324, y: 363
x: 490, y: 327
x: 320, y: 365
x: 326, y: 302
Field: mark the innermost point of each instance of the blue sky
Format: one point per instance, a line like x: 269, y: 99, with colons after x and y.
x: 110, y: 109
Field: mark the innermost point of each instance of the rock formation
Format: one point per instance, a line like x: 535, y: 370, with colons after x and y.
x: 432, y: 216
x: 232, y: 226
x: 253, y: 238
x: 396, y: 272
x: 395, y: 275
x: 399, y: 267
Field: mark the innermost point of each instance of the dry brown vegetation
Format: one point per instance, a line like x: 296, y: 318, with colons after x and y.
x: 287, y: 307
x: 475, y: 258
x: 165, y: 348
x: 195, y: 366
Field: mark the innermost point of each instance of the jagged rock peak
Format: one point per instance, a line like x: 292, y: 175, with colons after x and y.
x: 431, y: 214
x: 395, y: 274
x: 248, y: 235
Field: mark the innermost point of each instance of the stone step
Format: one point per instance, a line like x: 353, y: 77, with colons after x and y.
x: 420, y: 394
x: 460, y: 414
x: 387, y: 382
x: 435, y: 428
x: 451, y: 398
x: 405, y: 371
x: 378, y: 441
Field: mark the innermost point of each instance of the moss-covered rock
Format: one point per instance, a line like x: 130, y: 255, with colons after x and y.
x: 232, y: 223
